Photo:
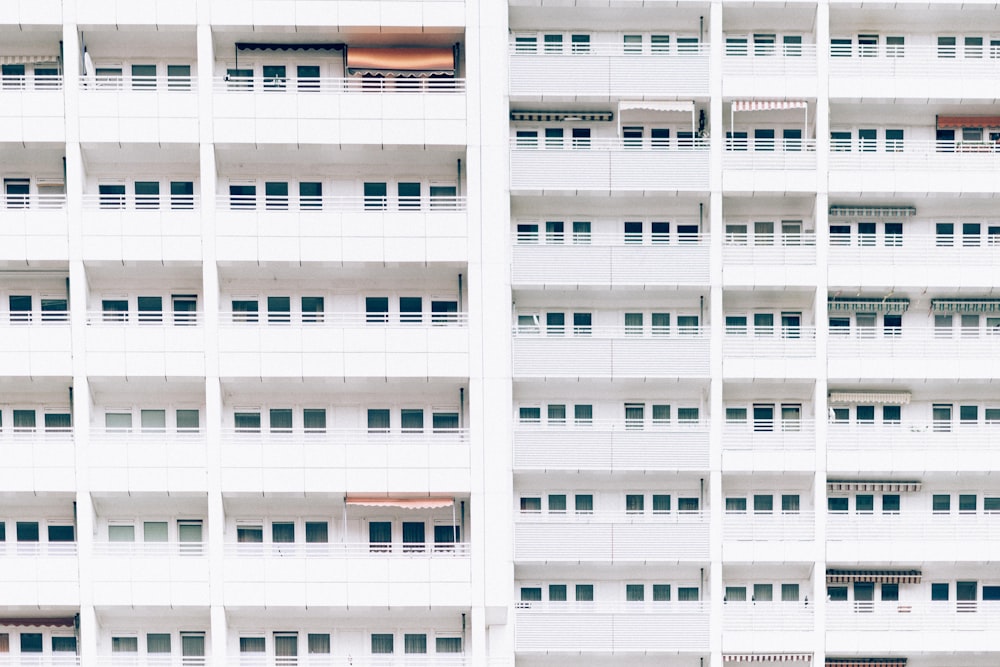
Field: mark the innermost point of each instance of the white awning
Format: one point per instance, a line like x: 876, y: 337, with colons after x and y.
x: 768, y: 105
x: 401, y: 503
x: 682, y: 106
x: 877, y: 397
x: 28, y: 60
x: 874, y: 486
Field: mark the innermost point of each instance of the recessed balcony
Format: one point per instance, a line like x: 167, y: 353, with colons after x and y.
x: 895, y: 537
x: 610, y: 352
x: 611, y: 446
x: 609, y: 70
x: 347, y: 575
x: 867, y: 352
x: 352, y: 460
x: 611, y: 538
x: 774, y: 537
x: 785, y: 352
x: 141, y: 227
x: 607, y: 260
x: 769, y: 70
x: 132, y: 574
x: 607, y: 165
x: 40, y: 574
x: 913, y: 446
x: 150, y: 343
x: 126, y: 460
x: 629, y: 628
x: 912, y: 627
x: 138, y: 109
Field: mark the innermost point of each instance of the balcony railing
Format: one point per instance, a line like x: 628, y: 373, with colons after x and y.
x: 890, y: 342
x: 914, y: 155
x: 33, y: 82
x: 347, y: 436
x: 951, y: 616
x: 769, y: 526
x: 337, y: 85
x: 329, y: 660
x: 309, y: 204
x: 350, y: 550
x: 38, y: 549
x: 150, y: 549
x: 760, y: 617
x: 921, y: 61
x: 147, y: 660
x: 770, y: 154
x: 781, y: 341
x: 609, y: 259
x: 939, y: 436
x: 769, y: 435
x: 32, y: 202
x: 769, y: 60
x: 134, y: 202
x: 883, y: 527
x: 610, y: 351
x: 144, y: 318
x: 40, y: 660
x: 565, y: 627
x: 138, y: 84
x: 769, y: 249
x: 611, y: 537
x: 918, y: 249
x: 605, y: 445
x: 403, y: 321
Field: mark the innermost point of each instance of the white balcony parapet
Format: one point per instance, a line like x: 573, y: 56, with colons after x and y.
x: 781, y: 342
x: 611, y: 446
x: 914, y: 155
x: 769, y: 435
x: 913, y: 60
x: 35, y: 343
x: 610, y: 537
x: 771, y: 154
x: 37, y: 459
x: 610, y: 351
x: 150, y: 549
x: 608, y: 259
x: 337, y: 85
x: 38, y: 550
x: 147, y: 660
x: 133, y: 202
x: 772, y: 60
x: 33, y: 82
x: 773, y: 616
x: 608, y: 165
x: 769, y: 250
x: 916, y: 616
x: 610, y: 70
x: 913, y: 527
x: 913, y: 435
x: 769, y: 527
x: 32, y: 202
x: 340, y: 203
x: 350, y: 550
x: 565, y: 627
x: 920, y: 343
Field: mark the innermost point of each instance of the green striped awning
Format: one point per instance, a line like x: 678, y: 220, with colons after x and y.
x: 965, y: 305
x: 867, y: 304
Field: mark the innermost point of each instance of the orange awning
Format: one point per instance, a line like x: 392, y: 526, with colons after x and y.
x: 947, y: 122
x: 403, y: 503
x: 402, y: 61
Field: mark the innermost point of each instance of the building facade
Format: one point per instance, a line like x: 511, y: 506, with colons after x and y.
x: 433, y: 332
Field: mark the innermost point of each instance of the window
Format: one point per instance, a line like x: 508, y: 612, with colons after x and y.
x: 375, y: 195
x: 763, y: 504
x: 531, y: 504
x: 318, y: 643
x: 68, y: 644
x: 687, y: 594
x: 247, y: 422
x: 941, y: 503
x: 61, y: 534
x: 661, y: 592
x: 244, y: 310
x: 181, y: 195
x: 789, y: 592
x: 114, y: 310
x: 274, y: 77
x: 557, y: 414
x: 123, y: 644
x: 376, y: 309
x: 530, y: 415
x: 580, y: 43
x: 687, y: 504
x: 584, y: 503
x: 557, y: 503
x: 736, y: 505
x: 763, y: 592
x: 121, y: 533
x: 890, y: 504
x: 634, y: 503
x: 836, y: 593
x: 583, y: 415
x: 635, y: 592
x: 147, y: 194
x: 415, y: 643
x: 967, y: 503
x: 890, y: 592
x: 408, y: 195
x: 584, y: 592
x: 378, y: 420
x: 249, y: 534
x: 381, y: 644
x: 310, y: 193
x: 448, y: 645
x: 557, y: 592
x: 531, y: 594
x: 150, y: 309
x: 864, y: 503
x: 661, y: 503
x: 789, y: 503
x: 157, y: 642
x: 837, y: 505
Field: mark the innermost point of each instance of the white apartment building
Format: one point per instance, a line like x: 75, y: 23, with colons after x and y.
x: 449, y: 333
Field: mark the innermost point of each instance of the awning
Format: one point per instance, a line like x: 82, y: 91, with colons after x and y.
x: 401, y: 503
x: 965, y: 305
x: 401, y: 61
x: 280, y: 46
x: 558, y: 116
x: 682, y: 106
x: 768, y: 105
x: 867, y: 304
x: 767, y: 657
x: 28, y: 60
x: 37, y: 622
x: 880, y: 486
x: 873, y: 576
x: 866, y: 662
x: 876, y: 397
x: 872, y: 211
x: 955, y: 122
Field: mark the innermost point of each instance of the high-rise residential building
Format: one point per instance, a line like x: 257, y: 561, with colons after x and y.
x: 535, y: 333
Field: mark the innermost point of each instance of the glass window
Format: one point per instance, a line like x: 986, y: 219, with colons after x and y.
x: 837, y: 504
x: 865, y: 503
x: 789, y: 592
x: 448, y: 645
x: 635, y: 592
x: 530, y: 415
x: 583, y: 414
x: 584, y: 592
x: 314, y: 420
x: 941, y: 503
x: 415, y: 643
x: 318, y: 643
x: 247, y: 422
x: 736, y: 505
x: 687, y: 594
x: 154, y: 421
x: 763, y: 504
x: 890, y: 592
x: 634, y: 503
x: 836, y: 593
x: 121, y: 533
x: 557, y: 593
x: 381, y: 644
x: 248, y: 534
x: 531, y: 594
x: 378, y: 420
x: 61, y: 534
x: 123, y: 644
x: 557, y: 502
x: 157, y: 642
x: 584, y: 503
x: 890, y: 503
x: 411, y: 309
x: 531, y: 504
x: 310, y: 192
x: 790, y: 503
x: 147, y: 194
x: 68, y: 644
x: 687, y: 504
x: 408, y: 195
x: 661, y: 592
x: 375, y: 195
x: 967, y: 503
x: 763, y: 592
x: 735, y: 594
x: 156, y: 531
x: 317, y: 532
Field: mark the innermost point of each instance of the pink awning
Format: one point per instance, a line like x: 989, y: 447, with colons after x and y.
x: 767, y: 657
x: 402, y: 503
x: 400, y: 61
x: 768, y: 105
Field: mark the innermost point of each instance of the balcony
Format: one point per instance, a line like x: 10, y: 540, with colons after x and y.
x: 952, y: 167
x: 873, y: 353
x: 764, y: 166
x: 32, y: 108
x: 920, y: 260
x: 894, y: 72
x: 341, y: 229
x: 39, y: 574
x: 352, y: 460
x: 607, y: 260
x: 344, y: 574
x: 35, y: 228
x: 144, y: 228
x: 148, y: 343
x: 611, y: 447
x: 403, y: 13
x: 355, y: 110
x: 157, y: 109
x: 610, y: 352
x: 784, y: 353
x: 343, y: 345
x: 913, y: 446
x: 629, y: 628
x: 610, y: 538
x: 125, y: 460
x: 607, y: 71
x: 912, y: 627
x: 139, y: 12
x: 786, y: 260
x: 764, y: 445
x: 36, y: 346
x: 37, y: 460
x: 777, y: 537
x: 896, y: 537
x: 133, y: 574
x: 764, y: 71
x: 764, y: 626
x: 606, y: 166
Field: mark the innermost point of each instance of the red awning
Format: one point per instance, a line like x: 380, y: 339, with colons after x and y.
x: 767, y: 657
x: 768, y: 105
x: 955, y: 122
x: 36, y: 622
x: 402, y: 503
x: 408, y: 61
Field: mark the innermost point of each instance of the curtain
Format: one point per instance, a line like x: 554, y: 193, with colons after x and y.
x: 763, y: 592
x: 661, y: 414
x: 319, y: 643
x: 634, y: 415
x: 378, y: 420
x: 281, y: 420
x: 583, y: 413
x: 58, y: 421
x: 381, y: 644
x: 317, y: 532
x: 661, y: 592
x: 661, y: 503
x: 789, y: 503
x: 633, y: 324
x: 124, y: 644
x: 249, y: 534
x: 193, y: 645
x: 634, y: 502
x: 736, y: 594
x: 584, y: 593
x: 445, y: 421
x: 157, y: 643
x: 413, y: 536
x: 412, y: 420
x: 557, y: 413
x: 557, y: 593
x: 531, y: 595
x: 4, y: 642
x: 446, y: 534
x: 247, y: 422
x: 789, y: 592
x: 635, y: 592
x: 282, y: 532
x: 64, y: 644
x: 314, y: 420
x: 584, y: 502
x: 380, y: 531
x: 661, y: 324
x: 188, y: 420
x: 286, y: 646
x: 687, y: 594
x: 251, y: 644
x: 414, y: 643
x: 24, y: 419
x: 736, y: 504
x: 687, y: 504
x: 448, y: 645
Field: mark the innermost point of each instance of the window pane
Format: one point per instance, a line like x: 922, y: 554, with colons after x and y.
x: 661, y: 503
x: 27, y: 531
x: 281, y: 420
x: 314, y: 420
x: 154, y: 531
x: 247, y: 422
x: 251, y: 645
x: 763, y: 592
x: 584, y: 502
x: 249, y: 535
x: 661, y: 592
x: 68, y: 644
x: 414, y: 643
x: 153, y: 420
x: 381, y: 644
x: 448, y: 645
x: 189, y: 531
x: 317, y: 532
x: 557, y: 502
x: 378, y: 420
x: 319, y: 643
x: 584, y: 592
x: 121, y: 533
x: 61, y: 534
x: 635, y: 592
x: 789, y: 592
x: 157, y: 643
x: 531, y: 594
x: 282, y: 532
x: 634, y: 502
x: 122, y: 644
